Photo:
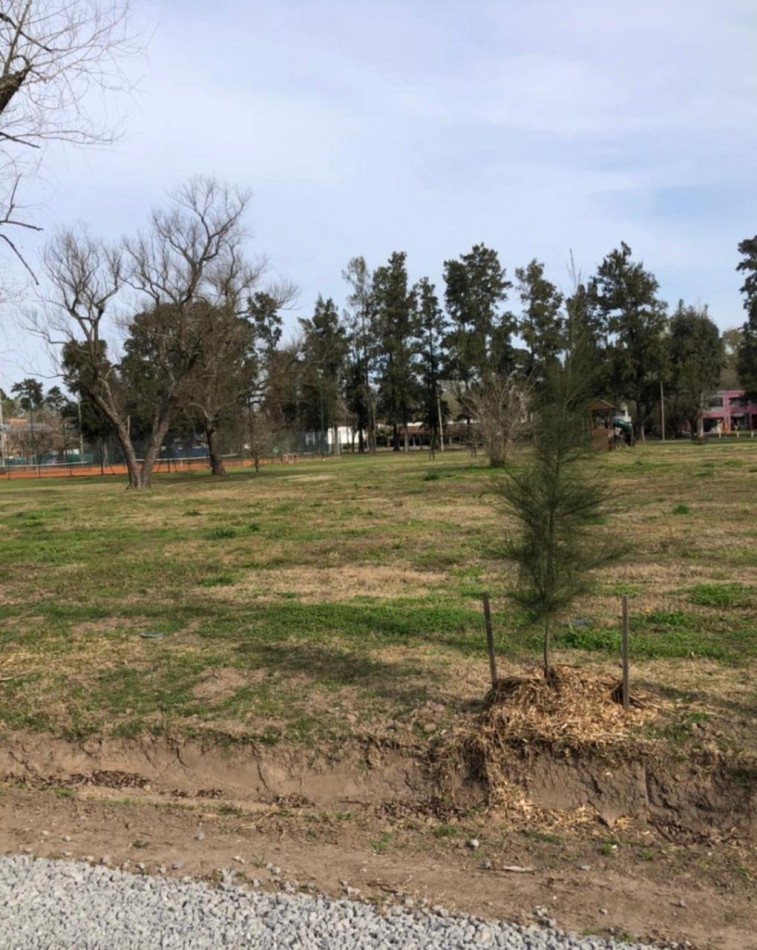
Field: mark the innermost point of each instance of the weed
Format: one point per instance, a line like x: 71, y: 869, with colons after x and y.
x: 221, y: 534
x: 380, y: 845
x: 446, y: 831
x: 230, y: 811
x: 682, y: 510
x: 543, y: 836
x: 218, y: 580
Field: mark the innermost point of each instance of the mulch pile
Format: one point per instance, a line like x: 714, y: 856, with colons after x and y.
x: 576, y: 711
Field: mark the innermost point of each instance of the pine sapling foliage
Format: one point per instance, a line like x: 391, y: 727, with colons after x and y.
x: 555, y: 499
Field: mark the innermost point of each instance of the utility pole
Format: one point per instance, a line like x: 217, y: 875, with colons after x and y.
x: 2, y: 435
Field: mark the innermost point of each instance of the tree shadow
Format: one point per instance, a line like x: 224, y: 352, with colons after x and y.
x: 334, y: 667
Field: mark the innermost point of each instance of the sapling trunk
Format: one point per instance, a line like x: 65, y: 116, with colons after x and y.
x: 547, y: 647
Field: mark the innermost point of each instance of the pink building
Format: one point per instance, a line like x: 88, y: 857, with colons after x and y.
x: 729, y: 409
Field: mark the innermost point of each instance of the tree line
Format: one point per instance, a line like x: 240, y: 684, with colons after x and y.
x: 176, y: 330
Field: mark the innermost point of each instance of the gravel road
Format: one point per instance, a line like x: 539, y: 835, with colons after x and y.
x: 66, y: 904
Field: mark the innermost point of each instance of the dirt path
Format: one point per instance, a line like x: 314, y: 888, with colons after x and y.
x: 653, y: 891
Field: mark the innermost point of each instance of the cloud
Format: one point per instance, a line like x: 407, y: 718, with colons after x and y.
x: 427, y: 125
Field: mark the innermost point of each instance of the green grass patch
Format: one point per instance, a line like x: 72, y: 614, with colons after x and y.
x: 314, y: 589
x: 722, y: 595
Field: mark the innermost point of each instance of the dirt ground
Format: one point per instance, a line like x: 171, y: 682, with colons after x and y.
x: 359, y: 826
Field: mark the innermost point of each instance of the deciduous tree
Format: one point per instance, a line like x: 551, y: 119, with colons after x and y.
x: 53, y: 54
x: 185, y: 268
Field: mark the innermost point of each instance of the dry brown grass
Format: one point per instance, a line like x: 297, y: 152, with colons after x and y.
x: 335, y: 584
x: 242, y: 565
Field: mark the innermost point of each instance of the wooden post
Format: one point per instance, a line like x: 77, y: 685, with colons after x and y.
x: 624, y: 655
x: 490, y: 639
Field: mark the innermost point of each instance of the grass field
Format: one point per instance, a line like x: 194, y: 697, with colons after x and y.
x: 312, y: 601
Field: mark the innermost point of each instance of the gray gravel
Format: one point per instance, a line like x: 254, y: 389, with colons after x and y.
x: 62, y: 904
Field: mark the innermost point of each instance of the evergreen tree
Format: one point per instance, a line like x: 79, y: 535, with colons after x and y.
x: 361, y: 336
x: 30, y: 398
x: 625, y: 295
x: 582, y: 313
x: 556, y: 498
x: 432, y: 325
x: 697, y: 357
x: 398, y: 334
x: 324, y: 348
x: 542, y: 326
x: 480, y: 339
x: 746, y: 363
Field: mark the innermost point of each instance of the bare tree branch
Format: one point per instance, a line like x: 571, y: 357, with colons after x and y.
x: 53, y: 54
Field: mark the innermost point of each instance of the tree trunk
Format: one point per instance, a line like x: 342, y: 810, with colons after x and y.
x: 395, y: 437
x: 159, y: 430
x: 132, y: 465
x: 547, y: 649
x: 214, y: 451
x: 372, y: 446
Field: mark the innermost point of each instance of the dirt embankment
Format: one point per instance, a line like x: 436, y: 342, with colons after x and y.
x: 553, y: 789
x: 658, y: 849
x: 681, y: 796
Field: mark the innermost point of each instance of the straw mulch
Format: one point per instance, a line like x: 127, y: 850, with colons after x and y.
x: 576, y: 711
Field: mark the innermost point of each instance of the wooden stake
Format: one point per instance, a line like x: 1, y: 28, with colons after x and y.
x: 490, y: 639
x: 624, y: 655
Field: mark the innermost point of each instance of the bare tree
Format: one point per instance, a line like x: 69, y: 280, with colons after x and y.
x: 189, y: 274
x: 53, y: 54
x: 262, y: 434
x: 86, y: 278
x: 499, y: 407
x: 188, y: 267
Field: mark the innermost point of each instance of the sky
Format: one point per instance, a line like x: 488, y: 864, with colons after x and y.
x: 538, y: 127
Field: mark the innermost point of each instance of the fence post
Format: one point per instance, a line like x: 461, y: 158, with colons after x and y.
x: 490, y: 639
x: 624, y: 654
